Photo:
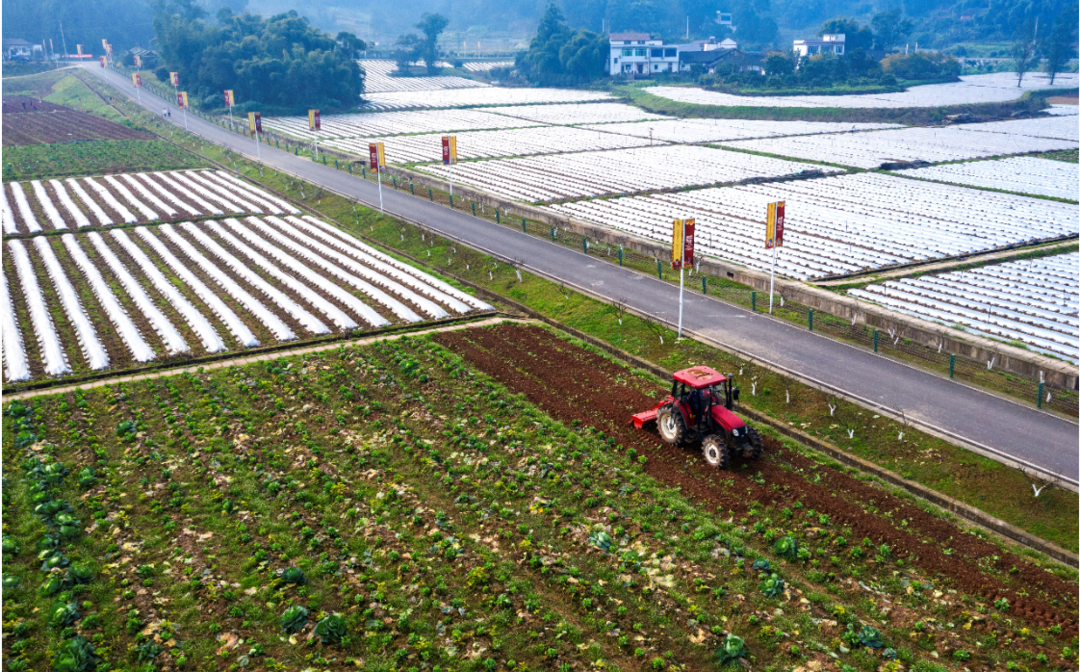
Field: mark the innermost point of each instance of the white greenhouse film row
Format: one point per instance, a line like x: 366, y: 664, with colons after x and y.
x: 103, y: 201
x: 624, y: 171
x: 716, y: 130
x: 1023, y: 174
x: 380, y: 79
x: 933, y: 145
x: 839, y: 225
x: 404, y: 100
x: 993, y: 88
x: 492, y: 144
x: 1032, y: 301
x: 393, y: 123
x: 581, y: 113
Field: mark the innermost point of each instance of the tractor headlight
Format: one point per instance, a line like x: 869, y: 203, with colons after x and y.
x: 735, y: 432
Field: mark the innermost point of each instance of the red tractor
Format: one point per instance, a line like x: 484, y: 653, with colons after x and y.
x: 698, y: 410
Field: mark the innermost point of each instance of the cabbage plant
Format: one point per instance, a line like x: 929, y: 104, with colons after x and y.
x: 870, y: 637
x: 294, y: 618
x: 772, y: 585
x: 75, y: 655
x: 731, y: 650
x: 293, y: 575
x: 786, y: 547
x: 63, y: 613
x: 11, y: 547
x: 331, y: 629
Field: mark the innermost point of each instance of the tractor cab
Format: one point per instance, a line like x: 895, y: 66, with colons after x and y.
x: 700, y: 410
x: 708, y: 383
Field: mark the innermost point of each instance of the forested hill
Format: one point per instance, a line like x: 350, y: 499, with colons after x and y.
x: 937, y: 23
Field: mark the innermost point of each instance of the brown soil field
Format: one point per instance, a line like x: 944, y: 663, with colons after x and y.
x: 51, y: 124
x: 577, y: 386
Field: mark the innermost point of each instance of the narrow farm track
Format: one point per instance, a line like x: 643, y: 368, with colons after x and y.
x: 574, y: 385
x: 970, y: 417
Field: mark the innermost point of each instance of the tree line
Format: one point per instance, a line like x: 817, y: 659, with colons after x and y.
x: 280, y: 65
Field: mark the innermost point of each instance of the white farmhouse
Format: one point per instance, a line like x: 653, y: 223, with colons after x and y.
x: 636, y: 54
x: 828, y: 43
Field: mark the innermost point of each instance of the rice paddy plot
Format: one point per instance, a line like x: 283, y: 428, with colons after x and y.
x: 993, y: 88
x: 380, y: 79
x: 1031, y: 301
x: 125, y: 298
x: 578, y: 113
x: 392, y: 123
x: 621, y: 171
x: 1022, y: 174
x: 492, y: 144
x: 480, y: 97
x: 933, y: 145
x: 839, y: 225
x: 716, y: 130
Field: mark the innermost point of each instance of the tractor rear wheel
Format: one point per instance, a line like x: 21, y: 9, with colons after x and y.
x: 672, y: 426
x: 715, y: 450
x: 753, y: 444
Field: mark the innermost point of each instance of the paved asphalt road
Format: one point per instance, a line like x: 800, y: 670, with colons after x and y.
x: 968, y: 416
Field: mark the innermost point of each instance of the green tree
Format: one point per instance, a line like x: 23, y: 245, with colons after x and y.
x: 431, y: 25
x: 1059, y: 45
x: 890, y: 28
x: 855, y: 36
x: 1024, y: 53
x: 408, y: 50
x: 350, y: 45
x: 560, y: 56
x: 280, y: 63
x: 778, y: 65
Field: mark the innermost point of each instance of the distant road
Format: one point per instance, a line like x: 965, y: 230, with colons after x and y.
x: 988, y: 424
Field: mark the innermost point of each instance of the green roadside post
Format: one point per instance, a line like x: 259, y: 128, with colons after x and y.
x: 704, y: 285
x: 659, y: 270
x: 952, y: 365
x: 474, y: 208
x: 620, y: 256
x: 1039, y: 400
x: 753, y: 302
x: 451, y: 201
x: 296, y: 151
x: 394, y: 180
x: 810, y: 319
x: 497, y: 220
x: 349, y: 165
x: 336, y: 164
x: 324, y: 159
x: 553, y: 234
x: 364, y: 171
x: 412, y: 188
x: 523, y: 229
x: 431, y: 195
x: 584, y: 244
x: 876, y: 332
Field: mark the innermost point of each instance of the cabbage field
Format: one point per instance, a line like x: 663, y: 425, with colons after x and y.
x: 446, y: 503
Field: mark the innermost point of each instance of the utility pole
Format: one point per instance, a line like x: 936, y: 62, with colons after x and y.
x: 63, y: 40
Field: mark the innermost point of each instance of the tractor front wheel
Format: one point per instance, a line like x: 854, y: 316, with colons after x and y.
x: 715, y: 450
x: 753, y: 448
x: 672, y: 427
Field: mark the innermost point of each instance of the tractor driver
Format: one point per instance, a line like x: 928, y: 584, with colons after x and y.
x: 697, y: 400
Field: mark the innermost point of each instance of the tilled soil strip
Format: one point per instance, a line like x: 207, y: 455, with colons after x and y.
x: 573, y: 384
